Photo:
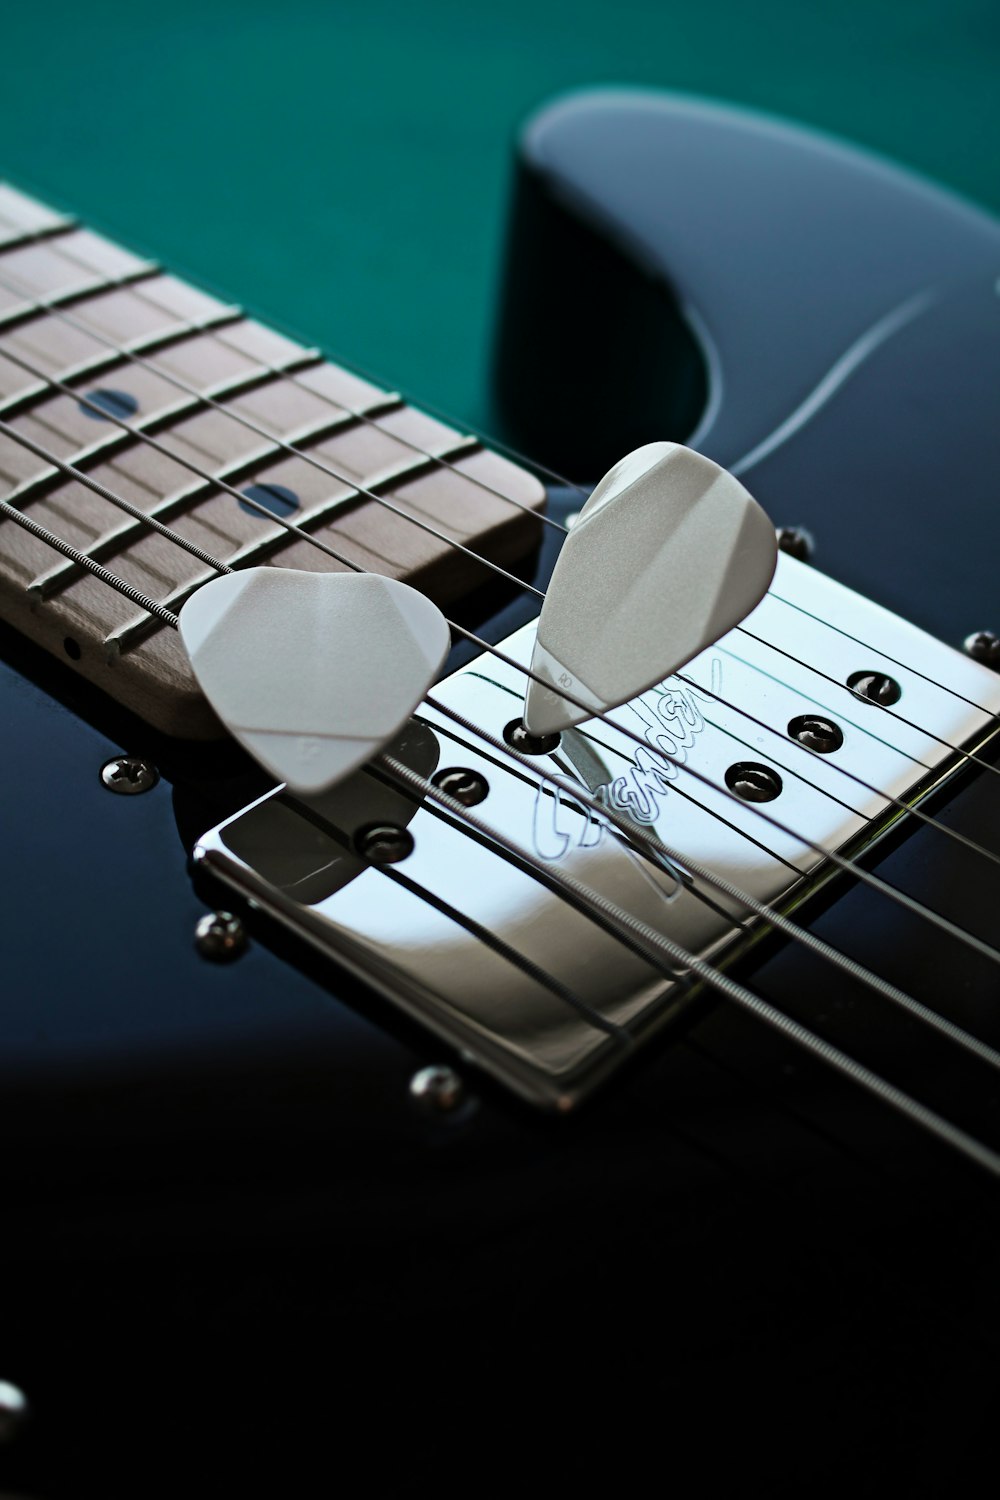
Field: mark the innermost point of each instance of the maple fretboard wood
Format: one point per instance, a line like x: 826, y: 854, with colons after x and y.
x: 73, y: 308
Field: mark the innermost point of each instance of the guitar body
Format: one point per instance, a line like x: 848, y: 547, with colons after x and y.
x: 225, y: 1219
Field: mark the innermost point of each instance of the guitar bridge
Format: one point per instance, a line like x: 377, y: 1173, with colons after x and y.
x: 734, y: 788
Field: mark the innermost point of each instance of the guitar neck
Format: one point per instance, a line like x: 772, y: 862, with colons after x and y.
x: 155, y: 434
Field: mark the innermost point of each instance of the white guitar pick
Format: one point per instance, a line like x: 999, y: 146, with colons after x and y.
x: 312, y: 672
x: 669, y: 553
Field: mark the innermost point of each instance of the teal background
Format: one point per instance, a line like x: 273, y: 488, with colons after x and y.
x: 343, y: 168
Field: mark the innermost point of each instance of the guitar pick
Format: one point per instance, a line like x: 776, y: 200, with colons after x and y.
x: 669, y: 553
x: 313, y: 673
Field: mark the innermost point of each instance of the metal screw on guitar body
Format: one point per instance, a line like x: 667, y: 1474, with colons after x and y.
x: 220, y: 937
x: 383, y: 843
x: 797, y: 542
x: 983, y: 646
x: 875, y: 687
x: 467, y: 787
x: 13, y: 1410
x: 438, y: 1090
x: 128, y: 775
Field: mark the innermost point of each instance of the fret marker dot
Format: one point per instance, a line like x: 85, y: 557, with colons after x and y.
x: 274, y: 497
x: 112, y: 403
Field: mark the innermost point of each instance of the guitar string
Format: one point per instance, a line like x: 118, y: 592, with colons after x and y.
x: 132, y: 593
x: 206, y: 399
x: 267, y: 513
x: 141, y: 292
x: 914, y: 671
x: 893, y: 713
x: 935, y: 918
x: 203, y: 398
x: 485, y: 440
x: 656, y: 850
x: 291, y: 377
x: 615, y: 919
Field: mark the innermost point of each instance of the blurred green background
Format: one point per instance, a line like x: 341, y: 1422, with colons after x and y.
x: 343, y: 168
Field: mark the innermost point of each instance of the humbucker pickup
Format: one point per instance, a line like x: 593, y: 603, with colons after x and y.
x: 727, y: 793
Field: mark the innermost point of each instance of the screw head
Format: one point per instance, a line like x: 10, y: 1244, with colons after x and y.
x: 128, y: 775
x: 13, y: 1410
x: 466, y: 786
x: 983, y: 646
x: 438, y: 1090
x: 797, y: 542
x: 753, y: 782
x: 816, y: 733
x: 875, y: 687
x: 220, y: 937
x: 383, y: 843
x: 518, y: 738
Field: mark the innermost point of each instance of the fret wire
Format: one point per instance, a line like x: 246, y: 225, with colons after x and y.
x: 34, y: 306
x: 361, y: 415
x: 654, y: 849
x: 494, y: 443
x: 443, y: 463
x: 106, y: 494
x: 98, y: 364
x: 342, y: 478
x: 43, y: 534
x: 614, y: 919
x: 28, y: 237
x: 809, y: 667
x: 900, y: 897
x: 821, y: 1049
x: 707, y: 972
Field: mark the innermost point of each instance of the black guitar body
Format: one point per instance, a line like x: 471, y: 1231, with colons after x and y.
x: 225, y: 1222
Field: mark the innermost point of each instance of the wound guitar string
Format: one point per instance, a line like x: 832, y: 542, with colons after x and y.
x: 328, y: 469
x: 142, y: 517
x: 620, y: 920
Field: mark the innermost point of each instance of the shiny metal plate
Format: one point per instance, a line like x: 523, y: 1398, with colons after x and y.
x: 505, y: 969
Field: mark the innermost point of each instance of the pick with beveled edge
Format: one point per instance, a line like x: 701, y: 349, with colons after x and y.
x: 669, y: 553
x: 313, y: 673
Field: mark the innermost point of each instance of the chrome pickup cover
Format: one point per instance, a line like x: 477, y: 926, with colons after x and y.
x: 415, y: 930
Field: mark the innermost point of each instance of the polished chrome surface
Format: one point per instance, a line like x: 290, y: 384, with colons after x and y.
x: 551, y: 1002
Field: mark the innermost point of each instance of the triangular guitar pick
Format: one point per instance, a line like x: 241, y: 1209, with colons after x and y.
x: 669, y: 553
x: 312, y: 672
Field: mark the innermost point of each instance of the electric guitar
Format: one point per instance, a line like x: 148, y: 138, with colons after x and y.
x: 608, y: 1078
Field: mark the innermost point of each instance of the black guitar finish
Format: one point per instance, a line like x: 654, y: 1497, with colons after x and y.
x: 224, y: 1220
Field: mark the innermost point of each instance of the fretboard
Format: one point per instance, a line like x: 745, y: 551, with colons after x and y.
x: 214, y: 403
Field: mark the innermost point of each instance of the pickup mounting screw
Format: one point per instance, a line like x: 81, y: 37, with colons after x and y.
x: 466, y: 786
x: 519, y: 738
x: 220, y: 937
x: 983, y: 646
x: 13, y: 1410
x: 438, y: 1090
x: 797, y: 542
x: 875, y: 687
x: 383, y: 843
x: 128, y: 775
x: 816, y: 733
x: 753, y: 782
